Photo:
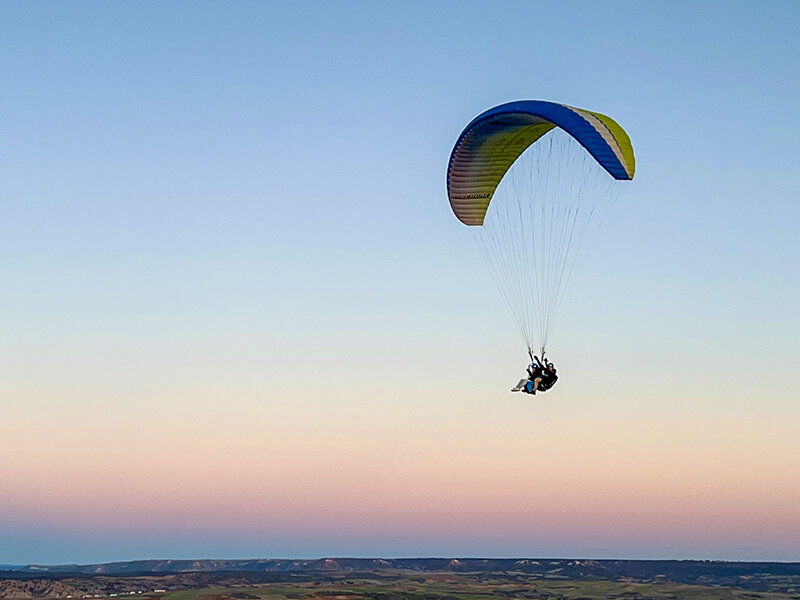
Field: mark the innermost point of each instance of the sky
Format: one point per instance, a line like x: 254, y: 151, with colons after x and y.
x: 239, y: 319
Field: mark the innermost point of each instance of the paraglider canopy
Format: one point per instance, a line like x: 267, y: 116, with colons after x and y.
x: 491, y: 143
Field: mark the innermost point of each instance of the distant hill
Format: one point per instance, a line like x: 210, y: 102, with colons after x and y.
x: 684, y: 571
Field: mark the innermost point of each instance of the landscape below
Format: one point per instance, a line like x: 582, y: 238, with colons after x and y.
x: 405, y: 579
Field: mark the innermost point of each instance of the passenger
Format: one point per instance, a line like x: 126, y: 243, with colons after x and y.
x: 534, y: 376
x: 531, y: 383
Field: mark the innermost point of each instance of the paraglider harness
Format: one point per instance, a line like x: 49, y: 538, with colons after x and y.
x: 549, y: 379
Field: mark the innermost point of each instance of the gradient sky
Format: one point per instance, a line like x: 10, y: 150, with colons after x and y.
x: 238, y: 318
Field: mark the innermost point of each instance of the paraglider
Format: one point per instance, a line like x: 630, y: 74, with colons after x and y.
x: 541, y: 377
x: 553, y: 169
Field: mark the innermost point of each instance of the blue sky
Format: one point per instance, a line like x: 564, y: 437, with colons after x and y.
x: 206, y: 204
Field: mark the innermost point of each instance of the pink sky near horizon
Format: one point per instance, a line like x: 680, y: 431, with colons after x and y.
x: 591, y: 481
